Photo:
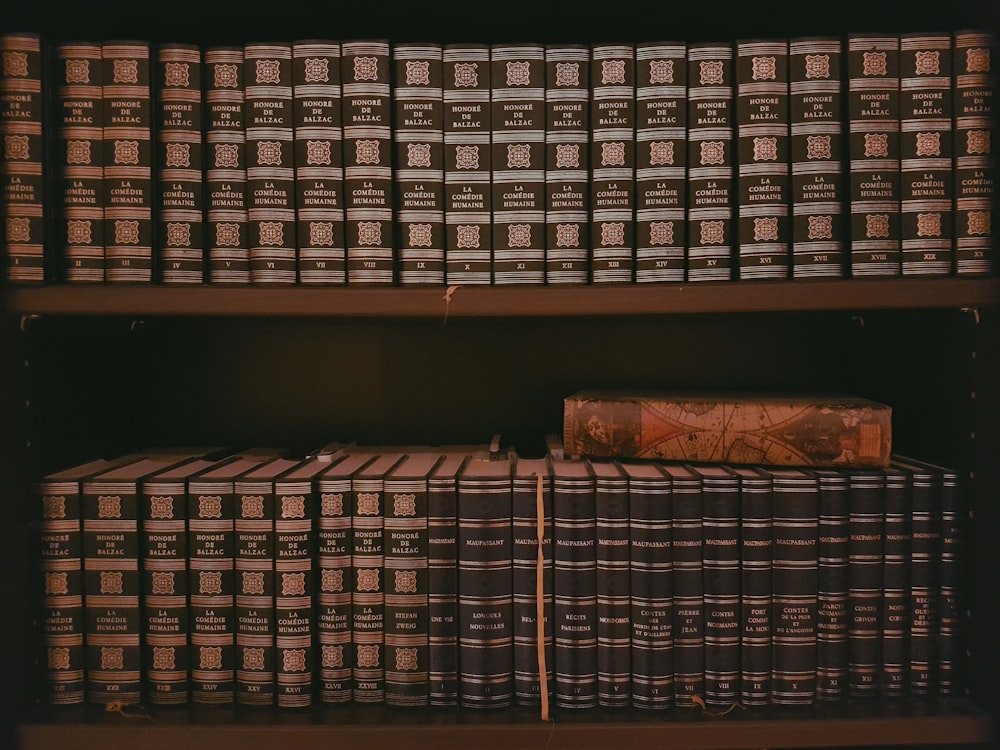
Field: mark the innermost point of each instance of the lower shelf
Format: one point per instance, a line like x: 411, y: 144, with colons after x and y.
x: 905, y: 722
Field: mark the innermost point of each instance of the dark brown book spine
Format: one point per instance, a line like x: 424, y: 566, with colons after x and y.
x: 333, y: 597
x: 873, y: 146
x: 567, y: 174
x: 468, y: 198
x: 686, y: 546
x: 926, y: 154
x: 612, y: 163
x: 764, y: 184
x: 976, y: 55
x: 226, y: 167
x: 165, y: 623
x: 319, y: 162
x: 254, y: 564
x: 517, y: 73
x: 818, y: 146
x: 367, y: 118
x: 80, y: 152
x: 180, y: 219
x: 832, y: 586
x: 294, y: 545
x: 953, y: 597
x: 442, y: 581
x: 612, y: 536
x: 661, y: 161
x: 128, y: 161
x: 711, y: 162
x: 22, y: 186
x: 419, y: 142
x: 896, y: 585
x: 864, y: 581
x: 270, y: 163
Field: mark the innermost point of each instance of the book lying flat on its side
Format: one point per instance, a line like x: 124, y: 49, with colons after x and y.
x: 739, y: 428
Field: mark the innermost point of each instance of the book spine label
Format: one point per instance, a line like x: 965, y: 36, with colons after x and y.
x: 612, y: 163
x: 468, y: 198
x: 614, y: 637
x: 485, y: 600
x: 832, y: 584
x: 62, y: 618
x: 711, y: 162
x: 80, y: 151
x: 661, y: 161
x: 22, y: 189
x: 226, y: 166
x: 527, y: 679
x: 319, y: 162
x: 976, y: 55
x: 896, y: 586
x: 368, y: 599
x: 567, y: 151
x: 686, y: 547
x: 651, y: 592
x: 925, y: 552
x: 254, y: 564
x: 181, y: 196
x: 165, y: 624
x: 866, y: 524
x: 756, y: 597
x: 333, y: 598
x: 270, y: 163
x: 926, y: 154
x: 517, y: 74
x: 111, y: 593
x: 294, y: 544
x: 406, y: 606
x: 764, y: 184
x: 128, y: 162
x: 818, y: 146
x: 419, y: 143
x: 721, y: 558
x: 442, y: 585
x: 873, y: 148
x: 367, y: 116
x: 794, y: 581
x: 212, y: 591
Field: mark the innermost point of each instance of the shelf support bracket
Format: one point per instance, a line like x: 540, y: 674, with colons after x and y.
x: 974, y: 312
x: 26, y: 321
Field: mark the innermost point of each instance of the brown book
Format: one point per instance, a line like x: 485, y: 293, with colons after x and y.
x: 738, y: 428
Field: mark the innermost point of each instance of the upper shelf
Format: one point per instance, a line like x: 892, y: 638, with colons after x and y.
x: 494, y: 301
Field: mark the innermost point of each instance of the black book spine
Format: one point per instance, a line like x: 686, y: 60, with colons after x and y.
x: 517, y: 144
x: 319, y: 162
x: 873, y: 148
x: 866, y: 525
x: 896, y: 585
x: 567, y: 148
x: 711, y: 162
x: 524, y: 525
x: 660, y: 161
x: 687, y: 547
x: 925, y: 554
x: 180, y: 219
x: 651, y: 590
x: 270, y: 135
x: 614, y: 637
x: 294, y: 615
x: 418, y: 135
x: 976, y: 55
x: 211, y: 572
x: 756, y: 593
x: 333, y: 590
x: 721, y: 578
x: 22, y: 182
x: 574, y: 585
x: 62, y: 613
x: 80, y: 153
x: 226, y: 167
x: 367, y: 118
x: 951, y: 578
x: 818, y: 146
x: 794, y: 583
x: 165, y: 624
x: 612, y: 163
x: 926, y: 154
x: 254, y: 562
x: 467, y: 175
x: 764, y: 185
x: 111, y: 592
x: 368, y: 598
x: 832, y: 586
x: 485, y: 590
x: 128, y: 161
x: 442, y: 587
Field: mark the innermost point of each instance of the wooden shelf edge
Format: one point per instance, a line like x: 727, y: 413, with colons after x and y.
x: 432, y: 731
x: 493, y: 301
